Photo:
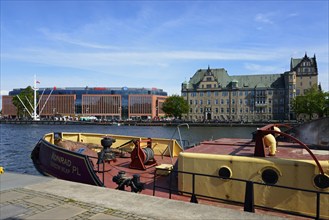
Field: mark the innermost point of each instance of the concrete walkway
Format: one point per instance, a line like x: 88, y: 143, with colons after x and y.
x: 36, y: 197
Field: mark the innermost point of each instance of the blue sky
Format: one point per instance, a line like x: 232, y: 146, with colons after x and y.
x: 155, y: 43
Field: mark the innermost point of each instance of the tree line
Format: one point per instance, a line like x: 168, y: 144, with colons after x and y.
x: 313, y: 102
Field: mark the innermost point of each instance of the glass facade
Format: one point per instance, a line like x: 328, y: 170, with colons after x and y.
x: 98, y: 101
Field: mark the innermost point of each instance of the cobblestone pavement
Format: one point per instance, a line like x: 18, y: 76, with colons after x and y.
x: 20, y: 203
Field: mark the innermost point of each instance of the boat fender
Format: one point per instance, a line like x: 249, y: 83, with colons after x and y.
x: 270, y: 142
x: 1, y: 170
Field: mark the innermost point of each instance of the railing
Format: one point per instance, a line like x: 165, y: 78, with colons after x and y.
x: 248, y: 203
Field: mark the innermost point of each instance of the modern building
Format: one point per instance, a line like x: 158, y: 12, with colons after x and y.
x: 102, y: 102
x: 213, y: 94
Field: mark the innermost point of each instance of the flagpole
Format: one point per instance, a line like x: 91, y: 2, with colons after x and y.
x: 35, y: 99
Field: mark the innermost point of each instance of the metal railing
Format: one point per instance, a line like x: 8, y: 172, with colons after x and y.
x: 248, y: 203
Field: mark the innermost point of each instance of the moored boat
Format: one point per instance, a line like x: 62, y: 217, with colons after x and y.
x: 293, y: 179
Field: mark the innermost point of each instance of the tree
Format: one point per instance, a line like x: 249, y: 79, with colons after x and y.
x: 26, y: 95
x: 175, y: 106
x: 314, y: 101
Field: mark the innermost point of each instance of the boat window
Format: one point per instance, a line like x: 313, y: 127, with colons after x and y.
x: 270, y: 176
x: 224, y: 172
x: 321, y: 181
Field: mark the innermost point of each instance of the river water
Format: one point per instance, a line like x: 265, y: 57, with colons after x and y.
x: 18, y: 140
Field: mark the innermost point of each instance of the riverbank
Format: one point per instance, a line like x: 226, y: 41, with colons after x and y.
x: 143, y: 123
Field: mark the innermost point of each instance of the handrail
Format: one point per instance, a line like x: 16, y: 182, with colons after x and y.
x: 299, y: 142
x: 249, y: 194
x: 259, y: 144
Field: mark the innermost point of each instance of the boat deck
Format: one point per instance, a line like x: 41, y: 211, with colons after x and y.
x: 245, y: 147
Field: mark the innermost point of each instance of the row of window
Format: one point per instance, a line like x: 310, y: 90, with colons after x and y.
x: 246, y: 101
x: 235, y: 93
x: 241, y: 110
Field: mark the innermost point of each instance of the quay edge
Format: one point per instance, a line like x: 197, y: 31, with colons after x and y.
x: 76, y: 200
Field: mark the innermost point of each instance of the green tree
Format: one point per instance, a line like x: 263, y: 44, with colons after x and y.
x: 26, y: 95
x: 175, y: 106
x: 314, y: 101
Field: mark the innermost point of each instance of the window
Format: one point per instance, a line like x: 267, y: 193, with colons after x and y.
x: 222, y: 110
x: 208, y: 86
x: 200, y: 101
x: 233, y: 101
x: 228, y: 110
x: 201, y: 110
x: 208, y: 93
x: 191, y: 102
x: 216, y: 110
x: 209, y: 79
x: 195, y: 102
x: 216, y: 93
x: 216, y: 102
x: 222, y: 101
x: 208, y: 102
x: 201, y: 94
x: 227, y: 101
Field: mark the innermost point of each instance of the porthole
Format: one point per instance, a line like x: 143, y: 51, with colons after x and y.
x: 224, y: 172
x: 270, y: 176
x: 321, y: 181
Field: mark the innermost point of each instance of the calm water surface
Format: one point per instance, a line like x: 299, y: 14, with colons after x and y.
x: 17, y: 141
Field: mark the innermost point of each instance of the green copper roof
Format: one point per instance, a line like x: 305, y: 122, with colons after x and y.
x: 296, y: 61
x: 243, y: 81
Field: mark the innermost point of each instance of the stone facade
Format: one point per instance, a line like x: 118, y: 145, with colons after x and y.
x: 214, y: 95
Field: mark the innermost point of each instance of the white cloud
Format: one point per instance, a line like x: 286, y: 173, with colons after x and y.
x: 256, y: 68
x: 264, y: 18
x: 4, y: 92
x: 136, y: 58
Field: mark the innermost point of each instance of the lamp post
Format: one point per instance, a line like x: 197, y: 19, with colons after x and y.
x: 54, y: 110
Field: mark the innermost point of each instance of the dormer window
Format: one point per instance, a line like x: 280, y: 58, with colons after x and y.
x: 234, y: 84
